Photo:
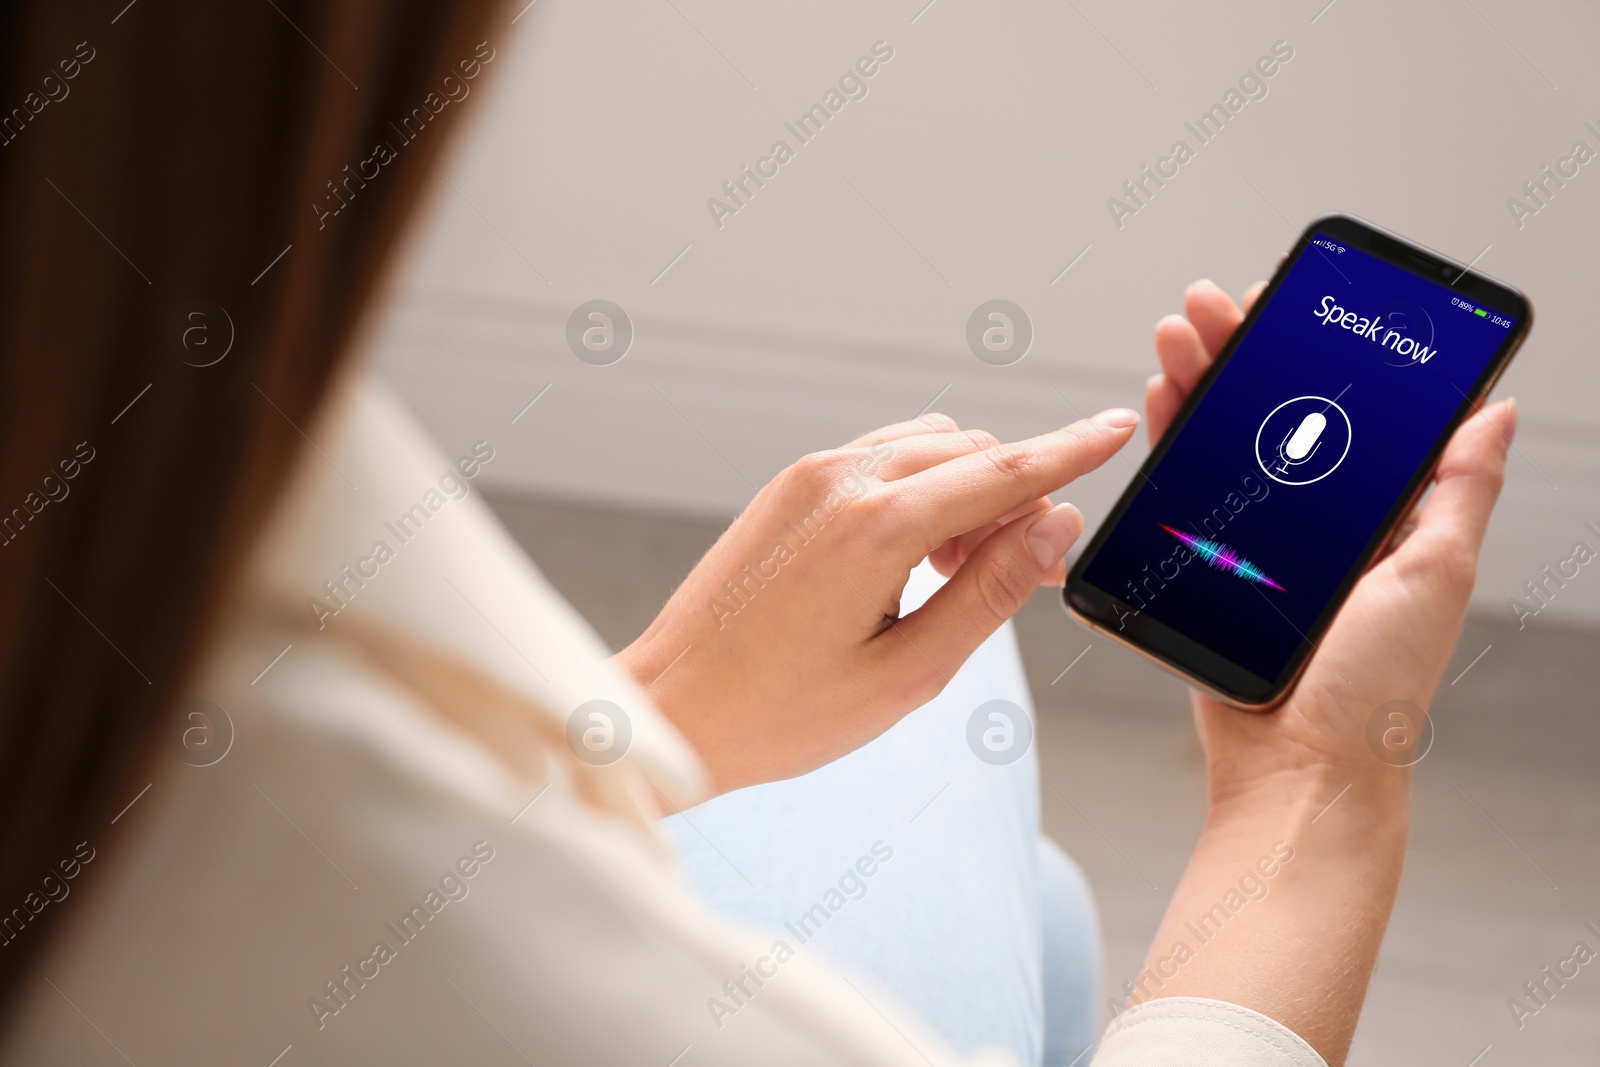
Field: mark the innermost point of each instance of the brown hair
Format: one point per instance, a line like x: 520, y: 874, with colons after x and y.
x: 179, y: 179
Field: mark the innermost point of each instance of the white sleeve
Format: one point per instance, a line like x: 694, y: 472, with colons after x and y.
x: 1193, y: 1032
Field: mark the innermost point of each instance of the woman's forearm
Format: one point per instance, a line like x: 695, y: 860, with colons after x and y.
x: 1284, y: 903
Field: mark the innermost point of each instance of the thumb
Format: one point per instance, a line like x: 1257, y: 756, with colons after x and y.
x: 990, y: 586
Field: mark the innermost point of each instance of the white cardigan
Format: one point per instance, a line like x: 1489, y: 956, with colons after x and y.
x: 362, y: 874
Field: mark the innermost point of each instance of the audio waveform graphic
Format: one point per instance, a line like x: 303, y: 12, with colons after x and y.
x: 1223, y: 558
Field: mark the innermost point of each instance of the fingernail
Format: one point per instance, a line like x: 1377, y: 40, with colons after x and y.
x: 1050, y: 537
x: 1116, y: 418
x: 1511, y: 416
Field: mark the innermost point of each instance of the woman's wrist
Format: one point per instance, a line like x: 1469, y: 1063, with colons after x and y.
x: 1286, y: 898
x: 1377, y: 797
x: 731, y: 757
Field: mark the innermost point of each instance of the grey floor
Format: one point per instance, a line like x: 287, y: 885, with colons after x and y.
x: 1504, y: 863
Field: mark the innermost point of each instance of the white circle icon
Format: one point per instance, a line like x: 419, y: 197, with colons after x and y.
x: 1303, y: 440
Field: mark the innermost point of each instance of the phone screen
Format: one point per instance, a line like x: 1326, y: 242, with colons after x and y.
x: 1308, y: 437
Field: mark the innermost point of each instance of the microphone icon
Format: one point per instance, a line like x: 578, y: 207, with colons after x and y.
x: 1301, y: 443
x: 1298, y: 456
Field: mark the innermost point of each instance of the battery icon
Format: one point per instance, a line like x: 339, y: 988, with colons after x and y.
x: 1482, y: 314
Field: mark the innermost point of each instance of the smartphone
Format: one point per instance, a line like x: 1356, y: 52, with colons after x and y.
x: 1302, y: 448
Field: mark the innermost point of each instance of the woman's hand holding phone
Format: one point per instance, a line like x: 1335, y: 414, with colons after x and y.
x: 1304, y: 773
x: 1393, y: 637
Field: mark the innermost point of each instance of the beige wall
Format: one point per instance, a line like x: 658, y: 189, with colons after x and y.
x: 977, y: 166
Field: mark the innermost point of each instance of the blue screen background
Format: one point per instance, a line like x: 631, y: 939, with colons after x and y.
x: 1304, y: 537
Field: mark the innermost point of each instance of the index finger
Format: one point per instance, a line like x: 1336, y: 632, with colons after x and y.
x: 974, y: 490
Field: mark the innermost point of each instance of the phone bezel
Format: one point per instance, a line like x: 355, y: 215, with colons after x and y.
x: 1197, y: 663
